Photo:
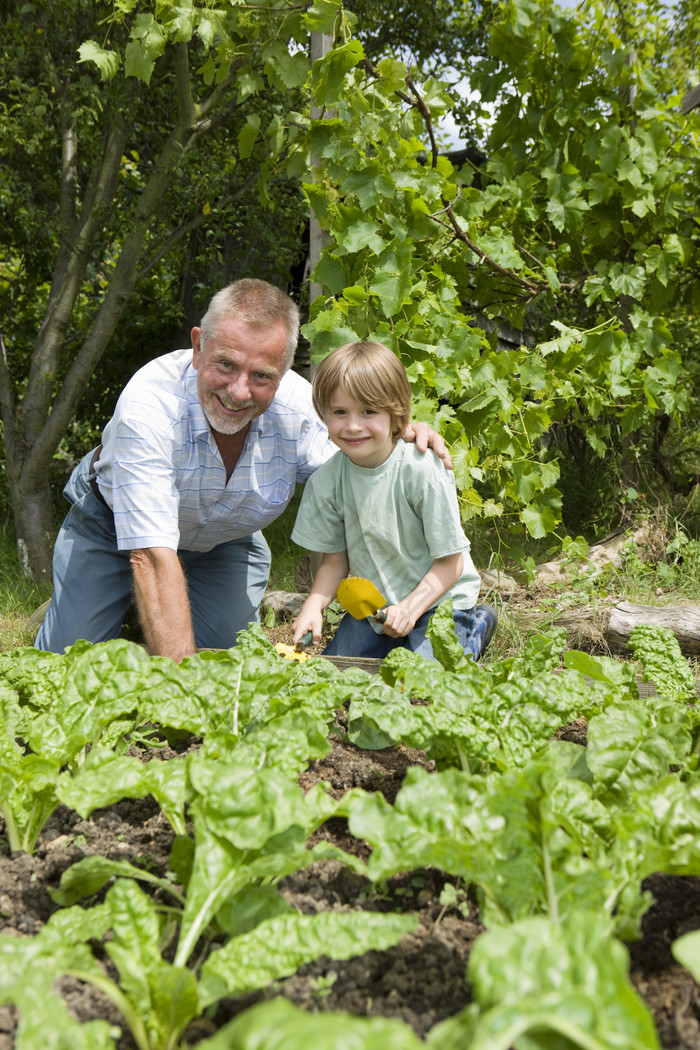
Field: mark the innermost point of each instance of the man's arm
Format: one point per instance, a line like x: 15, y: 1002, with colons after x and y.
x: 162, y: 603
x: 425, y: 437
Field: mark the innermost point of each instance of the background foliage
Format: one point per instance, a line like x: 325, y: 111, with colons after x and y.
x: 540, y: 284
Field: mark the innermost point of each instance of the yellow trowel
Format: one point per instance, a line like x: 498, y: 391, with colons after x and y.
x: 361, y: 598
x: 296, y: 652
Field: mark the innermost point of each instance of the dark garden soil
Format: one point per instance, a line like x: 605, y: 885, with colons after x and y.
x: 421, y: 980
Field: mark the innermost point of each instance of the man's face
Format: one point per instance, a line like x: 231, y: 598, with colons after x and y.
x: 238, y: 372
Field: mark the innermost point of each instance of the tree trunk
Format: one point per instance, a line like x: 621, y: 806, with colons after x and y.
x: 34, y: 525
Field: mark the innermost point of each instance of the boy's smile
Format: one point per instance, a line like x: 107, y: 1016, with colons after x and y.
x: 362, y: 433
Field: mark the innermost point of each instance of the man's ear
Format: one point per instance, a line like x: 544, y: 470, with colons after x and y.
x: 196, y: 346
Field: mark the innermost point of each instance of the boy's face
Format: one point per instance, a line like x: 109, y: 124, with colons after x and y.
x: 362, y: 433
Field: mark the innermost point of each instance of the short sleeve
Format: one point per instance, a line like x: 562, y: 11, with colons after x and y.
x: 319, y: 525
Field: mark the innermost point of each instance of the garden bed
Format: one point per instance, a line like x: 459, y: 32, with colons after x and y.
x: 421, y: 980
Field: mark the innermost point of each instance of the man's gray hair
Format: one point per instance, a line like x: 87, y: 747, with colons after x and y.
x: 260, y: 305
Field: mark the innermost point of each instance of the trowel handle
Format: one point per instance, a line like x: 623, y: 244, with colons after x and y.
x: 306, y: 639
x: 379, y: 616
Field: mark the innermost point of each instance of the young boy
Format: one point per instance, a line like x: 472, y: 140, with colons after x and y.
x: 379, y: 511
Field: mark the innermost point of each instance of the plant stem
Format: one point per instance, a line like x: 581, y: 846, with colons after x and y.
x: 113, y: 992
x: 549, y: 882
x: 11, y: 828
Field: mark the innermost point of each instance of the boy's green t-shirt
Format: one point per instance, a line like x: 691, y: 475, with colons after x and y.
x: 393, y: 520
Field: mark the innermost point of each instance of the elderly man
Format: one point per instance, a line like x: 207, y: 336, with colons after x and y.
x: 204, y: 450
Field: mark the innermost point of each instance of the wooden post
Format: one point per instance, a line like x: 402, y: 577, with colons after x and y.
x: 691, y: 100
x: 321, y: 43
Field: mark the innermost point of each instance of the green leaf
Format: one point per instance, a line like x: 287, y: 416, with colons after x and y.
x: 686, y: 951
x: 630, y: 748
x: 663, y: 662
x: 539, y: 983
x: 321, y: 16
x: 86, y: 877
x: 107, y: 62
x: 280, y: 945
x: 105, y: 778
x: 328, y: 73
x: 248, y: 134
x: 279, y: 1025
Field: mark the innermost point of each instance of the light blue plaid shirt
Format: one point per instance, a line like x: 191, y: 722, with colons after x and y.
x: 161, y: 472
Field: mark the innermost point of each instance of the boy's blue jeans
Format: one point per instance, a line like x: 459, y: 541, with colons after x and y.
x: 474, y: 629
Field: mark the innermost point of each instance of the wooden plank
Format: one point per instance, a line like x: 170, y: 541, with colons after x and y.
x: 364, y: 663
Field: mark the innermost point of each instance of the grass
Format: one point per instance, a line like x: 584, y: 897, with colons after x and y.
x: 285, y: 554
x: 21, y: 596
x: 664, y: 571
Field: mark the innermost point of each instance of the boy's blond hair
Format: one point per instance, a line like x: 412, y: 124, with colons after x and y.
x: 372, y: 375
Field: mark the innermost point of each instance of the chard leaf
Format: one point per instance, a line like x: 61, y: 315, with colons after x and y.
x: 279, y: 1025
x: 604, y: 669
x: 28, y: 969
x: 288, y: 742
x: 104, y: 684
x: 249, y: 808
x: 86, y: 877
x: 27, y: 781
x: 105, y: 778
x: 663, y: 830
x: 543, y: 985
x: 442, y: 636
x: 280, y: 945
x: 631, y: 747
x: 460, y: 823
x: 218, y: 693
x: 542, y: 654
x: 663, y: 662
x: 243, y: 911
x: 472, y: 721
x: 218, y: 872
x: 162, y: 996
x: 37, y: 677
x: 134, y: 948
x: 48, y: 1024
x: 686, y: 951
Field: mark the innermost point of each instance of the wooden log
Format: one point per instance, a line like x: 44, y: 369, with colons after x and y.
x: 683, y: 620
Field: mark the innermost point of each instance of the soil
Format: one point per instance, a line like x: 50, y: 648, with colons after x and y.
x: 420, y: 981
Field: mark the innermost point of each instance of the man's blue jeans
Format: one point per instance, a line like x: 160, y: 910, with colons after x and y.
x: 474, y: 629
x: 93, y: 587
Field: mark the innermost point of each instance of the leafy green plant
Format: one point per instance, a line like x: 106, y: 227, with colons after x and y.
x: 480, y: 718
x: 250, y: 829
x: 52, y: 708
x: 536, y: 984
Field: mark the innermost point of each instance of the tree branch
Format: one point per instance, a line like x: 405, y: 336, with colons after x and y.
x: 194, y: 223
x: 510, y: 275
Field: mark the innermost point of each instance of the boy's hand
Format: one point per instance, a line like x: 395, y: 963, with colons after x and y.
x: 308, y: 620
x: 398, y: 621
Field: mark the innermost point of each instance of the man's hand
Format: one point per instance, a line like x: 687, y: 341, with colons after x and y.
x: 427, y: 438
